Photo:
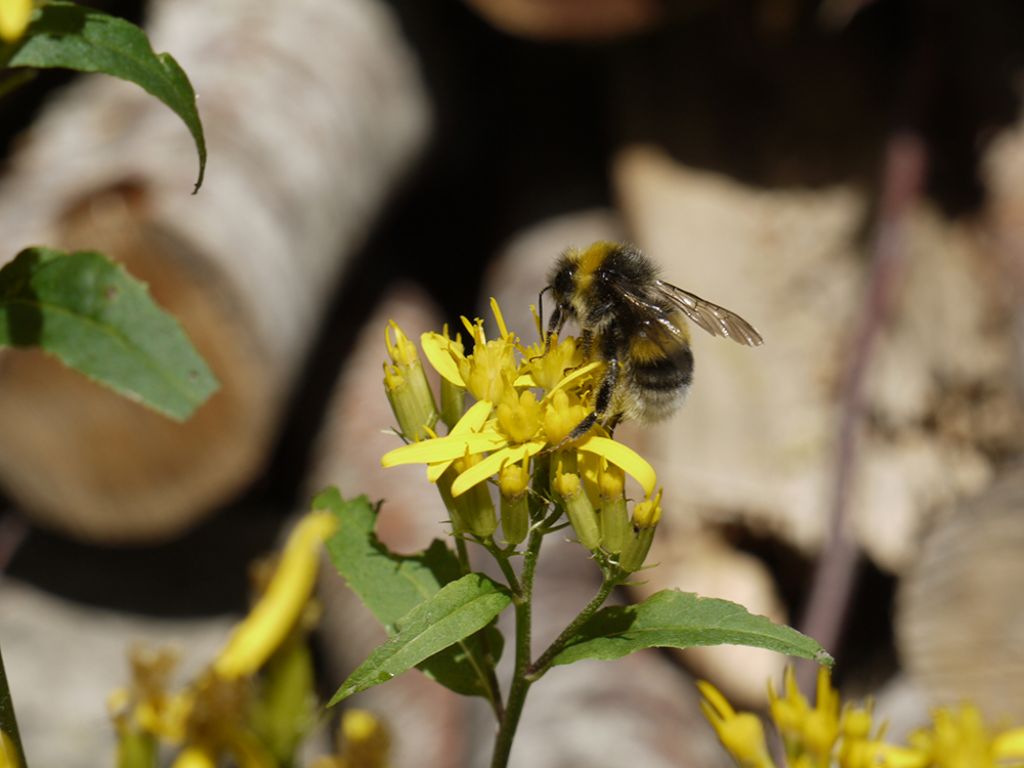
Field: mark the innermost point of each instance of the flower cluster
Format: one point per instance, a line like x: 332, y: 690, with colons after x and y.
x: 256, y: 701
x: 829, y: 734
x: 527, y: 400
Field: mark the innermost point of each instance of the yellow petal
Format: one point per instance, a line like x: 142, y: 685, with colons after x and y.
x: 891, y: 756
x: 14, y: 18
x: 442, y: 449
x: 718, y: 702
x: 625, y: 457
x: 8, y: 752
x: 473, y: 419
x: 271, y: 619
x: 579, y: 373
x: 438, y: 350
x: 498, y: 318
x: 492, y: 465
x: 1009, y: 745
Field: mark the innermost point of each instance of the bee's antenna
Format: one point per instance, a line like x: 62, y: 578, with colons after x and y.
x: 540, y: 309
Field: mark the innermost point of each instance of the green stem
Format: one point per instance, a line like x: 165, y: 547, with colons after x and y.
x: 501, y: 557
x: 8, y: 722
x: 520, y: 684
x: 539, y: 667
x: 462, y: 552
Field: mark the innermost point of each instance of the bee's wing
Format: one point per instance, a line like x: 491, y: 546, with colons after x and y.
x: 716, y: 320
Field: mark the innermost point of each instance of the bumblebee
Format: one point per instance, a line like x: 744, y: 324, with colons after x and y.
x: 637, y: 324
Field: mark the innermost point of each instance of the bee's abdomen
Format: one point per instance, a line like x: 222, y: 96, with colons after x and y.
x: 664, y: 373
x: 658, y: 386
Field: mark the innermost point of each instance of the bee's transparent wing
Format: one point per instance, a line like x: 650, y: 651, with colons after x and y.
x: 716, y: 320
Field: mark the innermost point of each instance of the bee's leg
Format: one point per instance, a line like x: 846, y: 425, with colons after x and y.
x: 603, y: 403
x: 554, y: 325
x: 586, y: 342
x: 612, y: 422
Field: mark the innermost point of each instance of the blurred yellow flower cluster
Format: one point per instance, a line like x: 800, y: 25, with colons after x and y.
x: 527, y: 401
x: 831, y: 735
x: 256, y: 702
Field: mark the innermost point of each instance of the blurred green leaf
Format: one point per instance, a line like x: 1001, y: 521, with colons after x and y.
x: 673, y: 619
x: 93, y: 316
x: 69, y: 36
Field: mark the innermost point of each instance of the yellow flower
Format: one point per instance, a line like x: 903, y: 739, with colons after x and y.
x: 195, y: 757
x: 488, y: 372
x: 546, y: 365
x: 523, y: 426
x: 8, y: 752
x: 789, y: 712
x: 14, y: 19
x: 742, y: 734
x: 519, y: 417
x: 647, y: 513
x: 147, y: 705
x: 277, y: 610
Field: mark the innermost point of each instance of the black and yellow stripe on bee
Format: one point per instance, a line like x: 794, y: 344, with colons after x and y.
x: 656, y: 368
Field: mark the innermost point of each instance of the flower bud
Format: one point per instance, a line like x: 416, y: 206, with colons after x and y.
x: 475, y: 507
x: 407, y: 388
x: 578, y: 507
x: 615, y: 528
x: 646, y: 515
x: 515, y: 509
x: 453, y: 402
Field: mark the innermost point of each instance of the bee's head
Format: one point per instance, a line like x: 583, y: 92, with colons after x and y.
x: 562, y: 279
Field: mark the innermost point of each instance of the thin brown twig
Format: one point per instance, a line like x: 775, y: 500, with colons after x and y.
x: 902, y: 180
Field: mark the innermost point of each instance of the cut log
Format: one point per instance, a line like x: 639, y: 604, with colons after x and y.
x: 312, y: 112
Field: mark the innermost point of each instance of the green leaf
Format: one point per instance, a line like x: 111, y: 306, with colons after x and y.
x: 674, y: 619
x: 391, y: 585
x: 93, y: 316
x: 456, y: 612
x: 69, y: 36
